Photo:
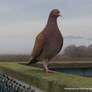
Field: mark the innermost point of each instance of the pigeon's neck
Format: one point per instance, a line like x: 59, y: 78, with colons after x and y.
x: 52, y: 22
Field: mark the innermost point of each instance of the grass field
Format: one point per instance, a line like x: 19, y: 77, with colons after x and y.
x: 57, y: 62
x: 14, y: 58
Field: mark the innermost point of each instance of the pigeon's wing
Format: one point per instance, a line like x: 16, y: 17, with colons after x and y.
x: 38, y: 47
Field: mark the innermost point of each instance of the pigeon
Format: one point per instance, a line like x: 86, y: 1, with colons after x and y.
x: 48, y: 42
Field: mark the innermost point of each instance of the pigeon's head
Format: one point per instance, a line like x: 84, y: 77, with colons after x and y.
x: 55, y: 13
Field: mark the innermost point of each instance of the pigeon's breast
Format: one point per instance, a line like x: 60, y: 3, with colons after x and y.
x: 54, y: 42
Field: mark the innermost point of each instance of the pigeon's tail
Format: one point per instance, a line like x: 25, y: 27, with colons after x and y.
x: 31, y: 61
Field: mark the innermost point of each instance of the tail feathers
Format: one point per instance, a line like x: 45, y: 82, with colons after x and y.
x: 32, y: 61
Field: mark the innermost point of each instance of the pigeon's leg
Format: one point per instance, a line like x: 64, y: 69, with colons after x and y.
x: 45, y: 64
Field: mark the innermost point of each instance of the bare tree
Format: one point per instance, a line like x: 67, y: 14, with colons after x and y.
x: 70, y: 50
x: 78, y: 51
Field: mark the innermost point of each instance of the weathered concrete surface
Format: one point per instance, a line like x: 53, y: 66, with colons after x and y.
x: 49, y: 82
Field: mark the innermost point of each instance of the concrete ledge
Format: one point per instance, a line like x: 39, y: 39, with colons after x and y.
x: 50, y: 82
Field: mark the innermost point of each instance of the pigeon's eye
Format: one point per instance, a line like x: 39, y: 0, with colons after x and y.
x: 55, y: 12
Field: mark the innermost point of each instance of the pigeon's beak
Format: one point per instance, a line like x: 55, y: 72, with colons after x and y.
x: 60, y: 15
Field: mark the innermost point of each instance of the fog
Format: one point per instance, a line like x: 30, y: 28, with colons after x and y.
x: 25, y: 46
x: 16, y: 46
x: 19, y: 37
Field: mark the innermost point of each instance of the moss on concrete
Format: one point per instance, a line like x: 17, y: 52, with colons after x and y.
x: 51, y: 82
x: 67, y: 64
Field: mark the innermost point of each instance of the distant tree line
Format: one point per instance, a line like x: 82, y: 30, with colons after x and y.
x: 78, y: 51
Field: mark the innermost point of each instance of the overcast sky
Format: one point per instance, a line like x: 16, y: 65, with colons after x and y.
x: 22, y: 20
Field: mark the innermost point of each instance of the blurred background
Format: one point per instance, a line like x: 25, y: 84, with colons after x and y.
x: 22, y: 20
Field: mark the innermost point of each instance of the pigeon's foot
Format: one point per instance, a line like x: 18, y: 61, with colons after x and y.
x: 50, y: 71
x: 47, y: 70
